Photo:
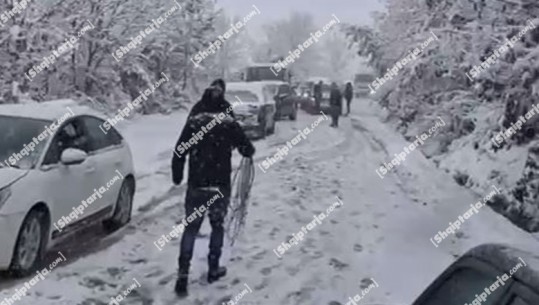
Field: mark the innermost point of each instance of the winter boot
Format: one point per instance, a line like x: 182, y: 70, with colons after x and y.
x: 215, y: 272
x: 181, y: 283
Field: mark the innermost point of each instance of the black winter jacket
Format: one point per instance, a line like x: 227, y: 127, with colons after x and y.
x: 335, y: 98
x: 209, y: 141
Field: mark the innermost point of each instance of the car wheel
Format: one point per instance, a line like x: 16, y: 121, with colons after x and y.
x: 123, y: 208
x: 28, y: 253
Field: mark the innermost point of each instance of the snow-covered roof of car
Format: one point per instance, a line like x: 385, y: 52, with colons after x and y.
x: 50, y: 110
x: 506, y: 257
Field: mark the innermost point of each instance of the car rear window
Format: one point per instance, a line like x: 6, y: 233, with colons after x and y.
x: 243, y: 95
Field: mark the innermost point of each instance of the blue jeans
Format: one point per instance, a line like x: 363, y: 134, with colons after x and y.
x: 194, y: 199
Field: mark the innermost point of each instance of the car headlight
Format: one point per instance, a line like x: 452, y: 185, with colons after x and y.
x: 5, y: 193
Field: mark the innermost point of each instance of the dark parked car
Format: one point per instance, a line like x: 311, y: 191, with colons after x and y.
x: 467, y: 280
x: 314, y: 108
x: 305, y: 97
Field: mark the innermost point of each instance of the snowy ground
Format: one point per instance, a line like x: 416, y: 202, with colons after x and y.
x: 381, y: 232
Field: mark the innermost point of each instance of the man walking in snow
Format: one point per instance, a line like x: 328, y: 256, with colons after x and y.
x: 317, y: 95
x: 335, y: 102
x: 208, y: 138
x: 348, y: 95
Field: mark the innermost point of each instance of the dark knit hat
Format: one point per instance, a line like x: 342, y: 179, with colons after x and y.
x: 219, y: 82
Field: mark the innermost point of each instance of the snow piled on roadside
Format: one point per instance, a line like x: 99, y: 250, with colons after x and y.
x: 419, y: 175
x: 473, y: 155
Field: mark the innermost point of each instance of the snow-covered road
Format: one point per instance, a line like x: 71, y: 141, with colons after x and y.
x: 381, y: 232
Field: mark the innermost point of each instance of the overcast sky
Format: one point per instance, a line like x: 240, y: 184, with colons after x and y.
x: 350, y: 11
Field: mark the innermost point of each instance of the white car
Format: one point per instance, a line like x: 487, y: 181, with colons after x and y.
x: 60, y: 171
x: 254, y: 106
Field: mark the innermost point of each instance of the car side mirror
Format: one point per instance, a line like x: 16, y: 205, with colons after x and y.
x: 73, y: 156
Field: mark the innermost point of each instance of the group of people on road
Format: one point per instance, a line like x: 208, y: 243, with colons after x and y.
x: 335, y: 100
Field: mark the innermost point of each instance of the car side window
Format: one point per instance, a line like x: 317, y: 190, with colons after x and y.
x: 97, y: 138
x: 462, y: 286
x: 71, y: 135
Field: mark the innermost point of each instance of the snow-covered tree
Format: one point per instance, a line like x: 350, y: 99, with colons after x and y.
x: 284, y: 36
x: 436, y: 84
x: 338, y: 61
x: 89, y: 70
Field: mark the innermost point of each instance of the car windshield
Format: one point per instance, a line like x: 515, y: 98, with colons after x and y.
x: 17, y: 141
x: 243, y: 95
